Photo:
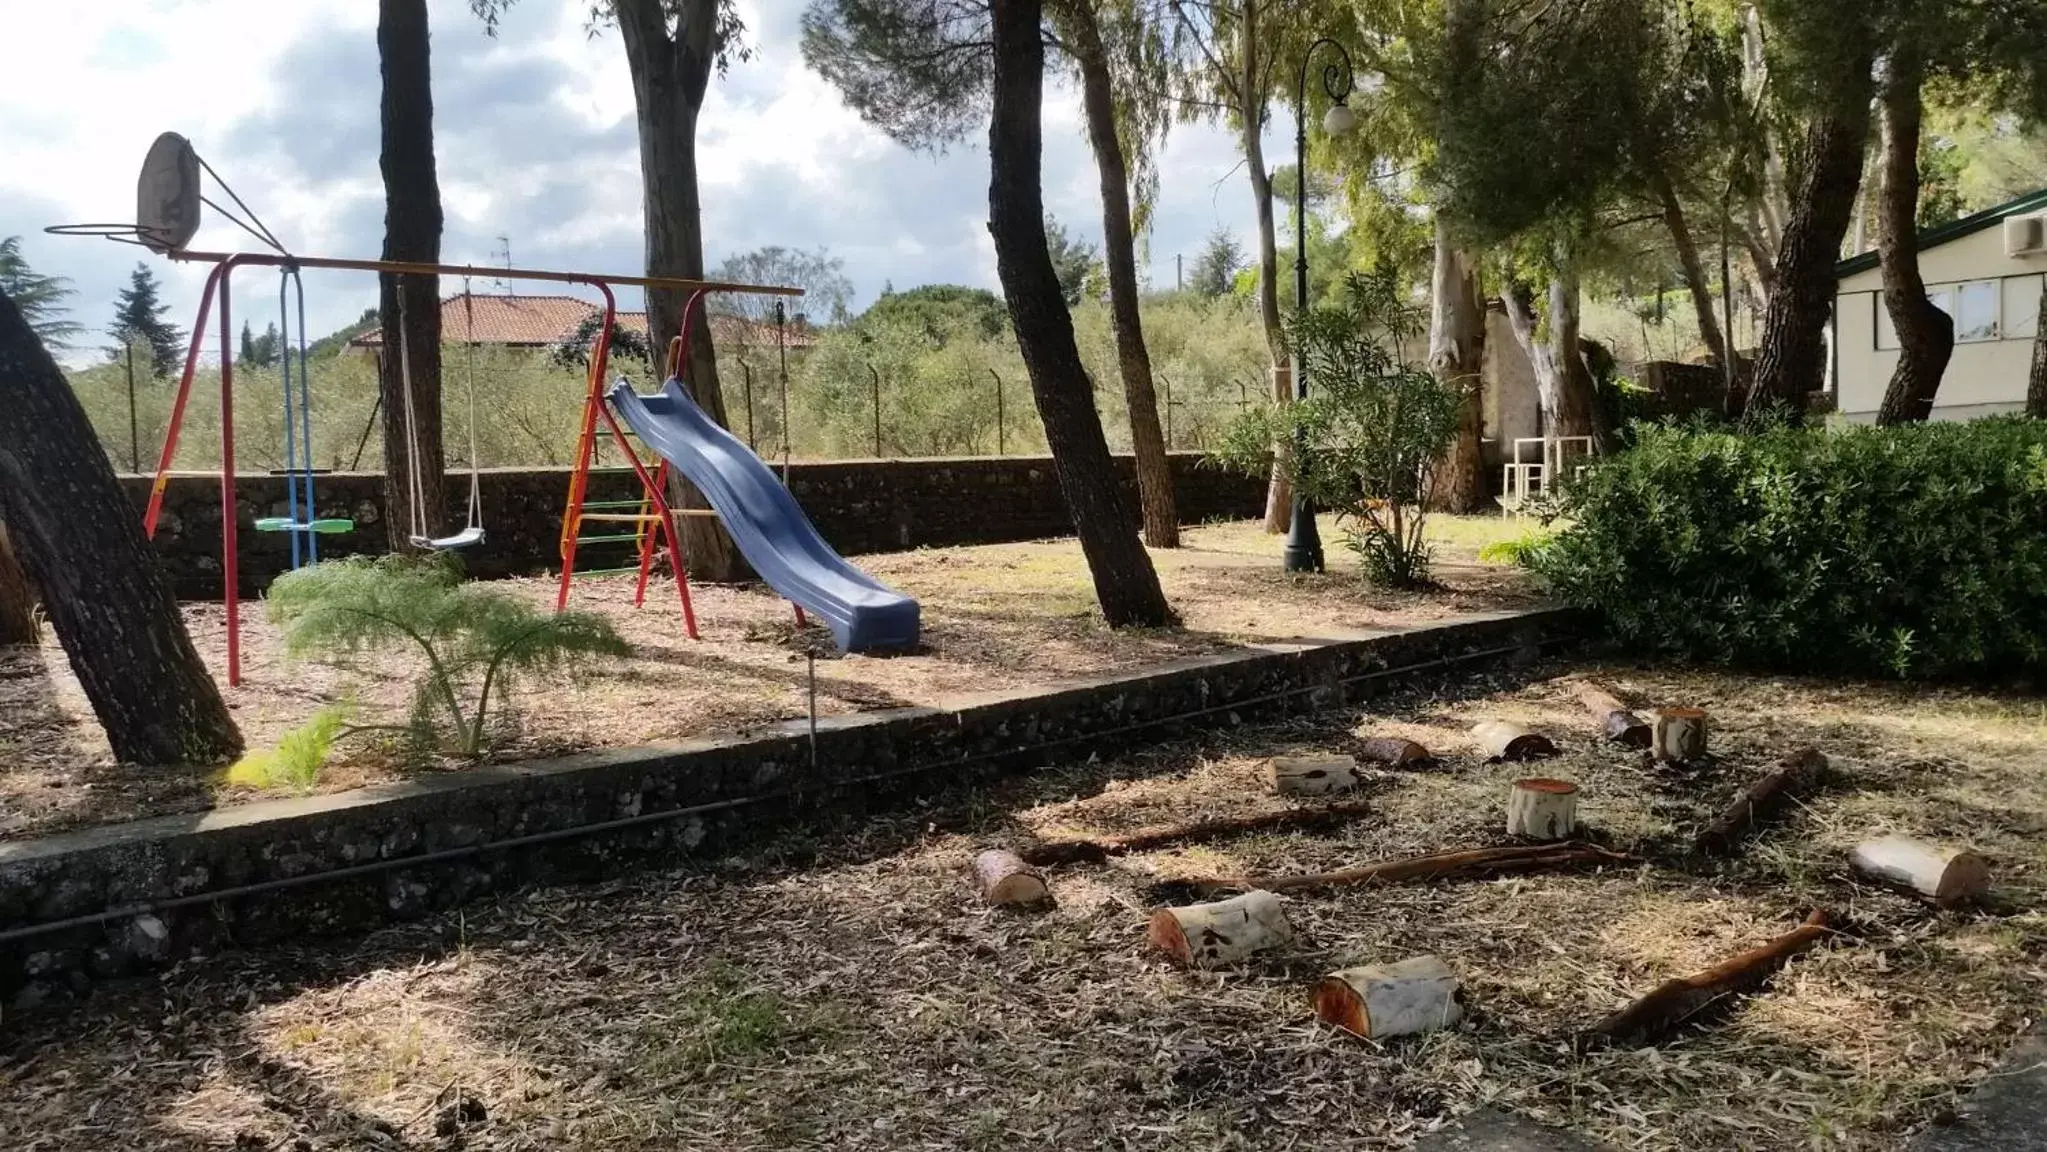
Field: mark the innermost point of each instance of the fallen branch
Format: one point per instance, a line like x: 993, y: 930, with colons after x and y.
x: 1006, y: 879
x: 1675, y: 1001
x: 1755, y: 802
x: 1947, y: 876
x: 1505, y: 740
x: 1469, y: 862
x: 1098, y: 848
x: 1616, y: 723
x: 1392, y: 750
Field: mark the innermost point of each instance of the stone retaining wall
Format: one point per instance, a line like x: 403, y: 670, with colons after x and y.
x: 859, y: 506
x: 113, y: 900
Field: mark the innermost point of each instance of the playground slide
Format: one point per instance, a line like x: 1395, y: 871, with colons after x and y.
x: 772, y: 532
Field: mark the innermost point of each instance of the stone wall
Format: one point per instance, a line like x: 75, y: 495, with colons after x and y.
x: 107, y: 901
x: 859, y: 506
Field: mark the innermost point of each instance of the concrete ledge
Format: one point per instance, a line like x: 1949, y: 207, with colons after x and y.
x: 112, y: 900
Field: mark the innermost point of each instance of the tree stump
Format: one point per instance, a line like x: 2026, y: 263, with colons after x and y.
x: 1005, y: 879
x: 1223, y: 933
x: 1946, y: 876
x: 1393, y: 751
x: 1502, y: 740
x: 1679, y: 734
x: 1539, y: 808
x: 1419, y: 994
x: 1313, y: 775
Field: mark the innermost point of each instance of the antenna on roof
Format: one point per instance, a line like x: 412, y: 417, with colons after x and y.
x: 503, y: 254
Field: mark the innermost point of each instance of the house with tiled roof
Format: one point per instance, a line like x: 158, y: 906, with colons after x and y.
x: 541, y: 322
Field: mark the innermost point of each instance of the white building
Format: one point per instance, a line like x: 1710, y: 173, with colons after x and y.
x: 1985, y: 271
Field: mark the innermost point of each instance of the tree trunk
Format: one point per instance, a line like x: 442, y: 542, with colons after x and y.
x: 1578, y: 410
x: 1947, y: 876
x: 1695, y: 272
x: 1381, y: 1001
x: 1251, y: 111
x: 2036, y: 379
x: 1457, y: 357
x: 1519, y: 299
x: 17, y: 597
x: 1926, y: 335
x: 1678, y: 734
x: 670, y: 74
x: 1005, y: 879
x: 1770, y: 204
x: 412, y: 231
x: 1224, y: 933
x: 1313, y: 775
x: 1539, y: 808
x: 1506, y: 740
x: 1791, y: 362
x: 1762, y: 263
x: 81, y: 542
x: 1125, y: 582
x: 1119, y: 251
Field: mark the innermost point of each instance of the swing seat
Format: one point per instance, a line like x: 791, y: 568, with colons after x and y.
x: 330, y: 527
x: 466, y: 538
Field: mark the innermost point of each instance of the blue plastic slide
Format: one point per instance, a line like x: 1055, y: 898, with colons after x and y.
x: 772, y: 532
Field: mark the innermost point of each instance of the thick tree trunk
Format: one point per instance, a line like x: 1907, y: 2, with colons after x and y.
x: 412, y: 231
x: 1762, y: 261
x: 17, y: 597
x: 1926, y: 335
x: 1119, y: 251
x: 1694, y: 272
x: 2036, y: 379
x: 1519, y: 299
x: 82, y: 544
x: 1251, y: 112
x: 1791, y: 362
x: 670, y: 75
x: 1125, y: 582
x: 1578, y: 410
x: 1457, y: 357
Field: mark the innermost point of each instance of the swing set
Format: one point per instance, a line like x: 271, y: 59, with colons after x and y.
x: 168, y: 210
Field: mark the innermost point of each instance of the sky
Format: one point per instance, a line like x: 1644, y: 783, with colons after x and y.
x: 535, y: 142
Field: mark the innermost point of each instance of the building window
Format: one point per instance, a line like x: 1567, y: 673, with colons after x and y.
x: 1977, y: 309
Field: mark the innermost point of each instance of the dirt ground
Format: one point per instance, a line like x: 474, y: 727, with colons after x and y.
x: 994, y: 618
x: 844, y: 988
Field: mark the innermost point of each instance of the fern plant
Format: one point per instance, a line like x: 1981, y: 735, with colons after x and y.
x: 294, y: 765
x: 475, y: 641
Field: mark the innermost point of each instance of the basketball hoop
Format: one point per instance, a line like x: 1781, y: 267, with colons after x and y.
x: 168, y: 202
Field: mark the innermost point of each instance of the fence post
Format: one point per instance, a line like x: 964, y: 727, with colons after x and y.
x: 134, y: 440
x: 875, y: 377
x: 1168, y: 383
x: 1001, y: 444
x: 746, y: 371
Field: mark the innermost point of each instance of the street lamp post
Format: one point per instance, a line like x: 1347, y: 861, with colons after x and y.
x: 1303, y: 551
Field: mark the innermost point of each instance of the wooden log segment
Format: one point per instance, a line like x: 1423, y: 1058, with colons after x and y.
x: 1503, y: 740
x: 1005, y: 879
x: 1755, y: 803
x: 1095, y: 849
x: 1675, y: 1001
x: 1947, y: 876
x: 1468, y: 862
x: 1539, y: 808
x: 1313, y: 775
x: 1393, y: 751
x: 1223, y: 933
x: 1615, y: 722
x: 1379, y: 1001
x: 1678, y: 734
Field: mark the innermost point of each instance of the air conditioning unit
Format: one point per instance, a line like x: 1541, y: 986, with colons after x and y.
x: 2025, y: 236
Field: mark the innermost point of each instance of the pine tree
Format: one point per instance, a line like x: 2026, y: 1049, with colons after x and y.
x: 139, y: 314
x: 40, y: 298
x: 248, y: 352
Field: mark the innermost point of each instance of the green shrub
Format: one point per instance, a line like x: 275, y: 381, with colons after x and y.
x: 474, y: 640
x: 1919, y: 550
x: 295, y: 764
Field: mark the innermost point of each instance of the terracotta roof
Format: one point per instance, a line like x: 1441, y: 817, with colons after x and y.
x: 541, y: 321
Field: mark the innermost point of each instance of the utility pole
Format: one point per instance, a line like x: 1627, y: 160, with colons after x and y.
x: 1001, y: 445
x: 1179, y: 273
x: 503, y: 255
x: 875, y: 377
x: 134, y: 441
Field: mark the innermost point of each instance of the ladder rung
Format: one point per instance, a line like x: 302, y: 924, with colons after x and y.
x: 580, y: 572
x: 620, y: 538
x: 614, y: 503
x: 623, y: 517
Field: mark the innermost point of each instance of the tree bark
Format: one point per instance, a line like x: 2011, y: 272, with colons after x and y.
x: 1791, y: 362
x: 412, y: 231
x: 1505, y: 740
x: 2036, y: 378
x: 1005, y: 879
x: 1926, y: 335
x: 1457, y: 357
x: 17, y: 597
x: 1119, y: 251
x: 1251, y: 111
x: 1223, y: 933
x: 1949, y: 877
x: 1381, y: 1001
x: 1519, y: 299
x: 1094, y: 849
x: 1436, y: 865
x: 1675, y: 1002
x: 81, y: 542
x: 1578, y: 410
x: 1539, y: 808
x: 1125, y: 582
x: 670, y: 75
x: 1758, y: 799
x: 1694, y: 272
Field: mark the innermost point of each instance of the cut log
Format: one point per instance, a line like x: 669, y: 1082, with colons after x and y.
x: 1616, y: 723
x: 1006, y: 879
x: 1469, y: 862
x: 1539, y: 808
x: 1098, y: 848
x: 1312, y: 775
x: 1676, y: 1001
x: 1946, y: 876
x: 1223, y: 933
x: 1419, y: 994
x: 1502, y: 740
x: 1755, y: 802
x: 1394, y: 751
x: 1678, y: 734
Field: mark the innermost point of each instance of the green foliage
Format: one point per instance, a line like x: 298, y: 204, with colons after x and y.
x: 474, y: 641
x: 139, y: 314
x: 1072, y: 259
x: 1369, y: 432
x: 40, y: 298
x: 919, y: 70
x: 628, y: 346
x: 821, y: 275
x: 1215, y: 270
x: 295, y: 764
x: 1914, y: 550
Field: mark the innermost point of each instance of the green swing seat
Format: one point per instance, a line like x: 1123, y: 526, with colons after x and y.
x: 328, y: 527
